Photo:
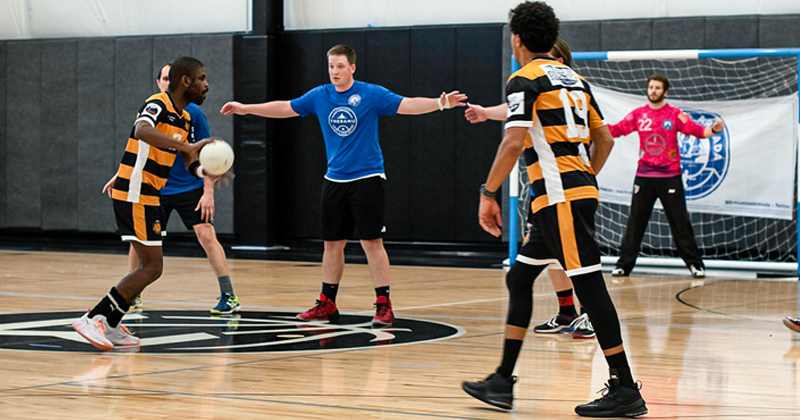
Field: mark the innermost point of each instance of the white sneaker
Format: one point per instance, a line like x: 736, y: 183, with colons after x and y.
x: 93, y: 330
x: 697, y: 271
x: 618, y: 272
x: 121, y: 336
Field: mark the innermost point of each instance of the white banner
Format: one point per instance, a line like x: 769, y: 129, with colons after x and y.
x: 746, y: 170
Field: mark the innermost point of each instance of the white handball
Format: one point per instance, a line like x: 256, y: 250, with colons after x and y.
x: 216, y: 157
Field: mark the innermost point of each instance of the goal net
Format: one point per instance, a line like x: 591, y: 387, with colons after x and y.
x: 726, y: 78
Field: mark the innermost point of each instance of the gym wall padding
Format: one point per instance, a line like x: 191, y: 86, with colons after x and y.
x: 66, y: 111
x: 59, y: 150
x: 254, y: 135
x: 98, y: 153
x: 24, y: 135
x: 3, y: 153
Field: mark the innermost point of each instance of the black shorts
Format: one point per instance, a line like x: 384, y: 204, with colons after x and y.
x: 140, y: 223
x: 353, y: 209
x: 563, y: 233
x: 185, y: 204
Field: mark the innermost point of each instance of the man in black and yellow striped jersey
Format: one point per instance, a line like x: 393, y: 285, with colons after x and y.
x: 161, y: 130
x: 555, y: 121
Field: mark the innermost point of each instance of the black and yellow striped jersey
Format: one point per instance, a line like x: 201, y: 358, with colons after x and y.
x: 556, y: 105
x: 144, y: 168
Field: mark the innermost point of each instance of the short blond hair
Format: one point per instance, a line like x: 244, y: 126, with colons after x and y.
x: 345, y: 50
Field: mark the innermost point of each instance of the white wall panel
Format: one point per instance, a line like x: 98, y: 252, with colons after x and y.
x: 23, y: 19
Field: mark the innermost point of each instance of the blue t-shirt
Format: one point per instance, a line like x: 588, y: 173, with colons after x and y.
x: 349, y: 122
x: 180, y: 180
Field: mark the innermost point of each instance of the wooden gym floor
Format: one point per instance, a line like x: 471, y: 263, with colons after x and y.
x: 712, y: 349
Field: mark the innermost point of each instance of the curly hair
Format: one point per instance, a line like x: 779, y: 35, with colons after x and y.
x: 536, y: 24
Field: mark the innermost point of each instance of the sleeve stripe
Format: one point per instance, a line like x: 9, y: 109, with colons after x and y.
x: 524, y: 124
x: 145, y: 119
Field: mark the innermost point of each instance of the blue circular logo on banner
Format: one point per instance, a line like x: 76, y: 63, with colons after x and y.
x: 343, y: 121
x: 704, y: 162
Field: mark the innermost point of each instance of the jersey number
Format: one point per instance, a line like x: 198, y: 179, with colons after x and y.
x: 644, y: 125
x: 581, y: 108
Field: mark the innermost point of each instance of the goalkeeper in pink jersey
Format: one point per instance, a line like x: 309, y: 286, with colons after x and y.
x: 659, y: 175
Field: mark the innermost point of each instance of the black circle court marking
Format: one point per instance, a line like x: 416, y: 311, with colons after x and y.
x: 198, y: 332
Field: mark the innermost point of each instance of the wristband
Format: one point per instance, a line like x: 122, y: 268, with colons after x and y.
x: 715, y: 132
x: 487, y: 193
x: 193, y: 169
x: 443, y: 104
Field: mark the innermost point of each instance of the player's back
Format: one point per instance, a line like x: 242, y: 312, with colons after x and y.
x: 555, y: 104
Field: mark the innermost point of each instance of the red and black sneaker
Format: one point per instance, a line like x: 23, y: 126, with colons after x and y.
x: 323, y: 310
x: 384, y: 316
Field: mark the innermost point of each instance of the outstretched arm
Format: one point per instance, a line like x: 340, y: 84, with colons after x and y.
x: 417, y: 106
x: 478, y: 114
x: 274, y: 109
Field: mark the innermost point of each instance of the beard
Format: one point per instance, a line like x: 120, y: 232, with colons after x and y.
x: 198, y: 98
x: 658, y: 99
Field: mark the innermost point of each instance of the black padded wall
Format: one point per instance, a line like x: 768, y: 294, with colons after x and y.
x: 299, y: 152
x: 253, y: 189
x: 98, y: 152
x: 23, y: 130
x: 3, y: 168
x: 59, y: 157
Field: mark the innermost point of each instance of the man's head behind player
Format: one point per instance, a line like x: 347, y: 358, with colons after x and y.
x: 535, y: 24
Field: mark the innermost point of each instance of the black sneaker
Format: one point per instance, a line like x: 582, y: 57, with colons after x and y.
x: 617, y: 401
x: 494, y: 390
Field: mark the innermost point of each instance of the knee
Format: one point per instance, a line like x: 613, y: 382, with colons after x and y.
x: 205, y: 234
x: 520, y: 278
x: 335, y: 246
x: 372, y: 245
x: 153, y: 269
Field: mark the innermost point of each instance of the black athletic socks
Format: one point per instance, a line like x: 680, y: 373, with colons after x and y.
x: 382, y: 291
x: 566, y: 303
x: 511, y: 349
x: 113, y: 306
x: 330, y: 291
x: 618, y: 366
x: 225, y: 285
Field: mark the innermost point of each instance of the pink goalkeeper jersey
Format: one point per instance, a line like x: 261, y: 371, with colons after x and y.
x: 659, y: 156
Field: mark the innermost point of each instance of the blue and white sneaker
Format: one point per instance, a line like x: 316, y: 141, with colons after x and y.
x: 228, y: 304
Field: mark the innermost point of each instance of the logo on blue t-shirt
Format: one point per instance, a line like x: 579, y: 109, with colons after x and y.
x: 343, y: 121
x: 704, y: 162
x: 667, y: 124
x: 354, y: 100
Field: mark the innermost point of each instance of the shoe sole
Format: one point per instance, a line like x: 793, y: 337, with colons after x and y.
x: 331, y: 318
x: 233, y: 311
x: 582, y: 336
x: 495, y: 403
x: 98, y: 345
x: 632, y: 410
x: 791, y: 325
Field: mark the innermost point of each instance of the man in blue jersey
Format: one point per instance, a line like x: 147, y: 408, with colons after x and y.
x: 193, y: 199
x: 353, y: 191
